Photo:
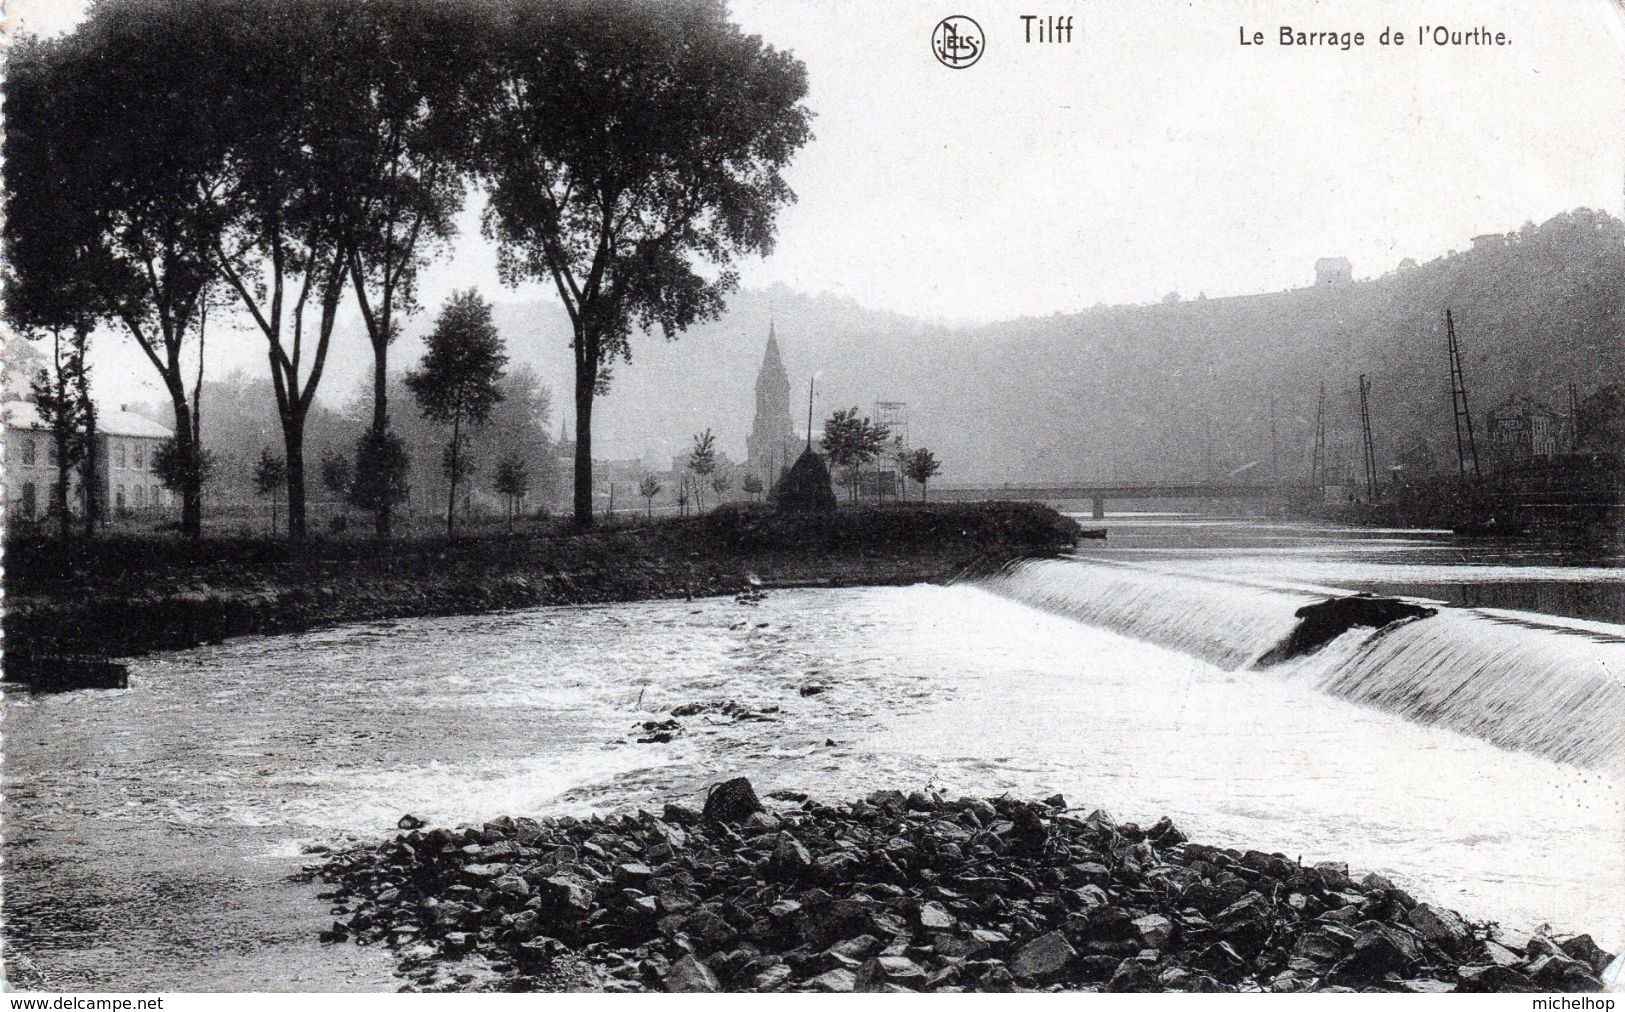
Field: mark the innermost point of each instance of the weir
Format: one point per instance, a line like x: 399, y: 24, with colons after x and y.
x: 1530, y: 684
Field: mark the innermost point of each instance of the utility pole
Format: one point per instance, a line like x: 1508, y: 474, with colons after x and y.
x: 1365, y: 436
x: 809, y: 411
x: 1466, y: 448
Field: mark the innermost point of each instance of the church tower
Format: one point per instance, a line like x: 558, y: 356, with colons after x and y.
x: 772, y: 434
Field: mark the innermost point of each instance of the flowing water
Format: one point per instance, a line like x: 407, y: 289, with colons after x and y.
x: 1473, y: 756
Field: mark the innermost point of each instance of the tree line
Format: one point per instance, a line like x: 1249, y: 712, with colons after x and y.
x: 849, y: 441
x: 278, y: 158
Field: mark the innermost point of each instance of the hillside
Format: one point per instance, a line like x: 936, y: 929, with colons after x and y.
x: 1134, y: 390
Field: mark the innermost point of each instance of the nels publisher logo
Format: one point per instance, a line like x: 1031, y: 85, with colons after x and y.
x: 957, y: 42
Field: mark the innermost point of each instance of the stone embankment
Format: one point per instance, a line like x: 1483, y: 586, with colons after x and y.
x: 123, y: 598
x: 897, y: 892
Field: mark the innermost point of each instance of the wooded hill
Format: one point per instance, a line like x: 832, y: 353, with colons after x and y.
x: 1131, y: 391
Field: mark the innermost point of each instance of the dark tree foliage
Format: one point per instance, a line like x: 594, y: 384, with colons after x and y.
x: 649, y: 487
x: 852, y: 441
x: 338, y: 474
x: 921, y: 466
x: 111, y: 202
x: 409, y: 136
x: 458, y: 381
x: 270, y: 477
x: 512, y: 481
x: 631, y: 151
x: 176, y: 467
x: 61, y: 397
x: 382, y: 467
x: 702, y: 460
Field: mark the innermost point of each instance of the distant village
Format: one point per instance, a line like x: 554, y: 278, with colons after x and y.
x: 129, y: 442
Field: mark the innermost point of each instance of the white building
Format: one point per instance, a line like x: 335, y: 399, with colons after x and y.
x: 126, y: 464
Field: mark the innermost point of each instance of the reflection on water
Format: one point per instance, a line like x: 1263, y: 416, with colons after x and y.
x: 150, y: 832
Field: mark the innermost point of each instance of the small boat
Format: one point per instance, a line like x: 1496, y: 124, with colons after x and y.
x: 1095, y: 533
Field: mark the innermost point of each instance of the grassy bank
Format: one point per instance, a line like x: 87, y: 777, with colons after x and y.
x: 127, y: 596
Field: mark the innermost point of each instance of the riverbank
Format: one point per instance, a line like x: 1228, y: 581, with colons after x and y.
x: 910, y: 893
x: 127, y: 597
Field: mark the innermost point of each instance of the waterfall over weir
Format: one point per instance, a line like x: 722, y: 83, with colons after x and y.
x: 1531, y: 683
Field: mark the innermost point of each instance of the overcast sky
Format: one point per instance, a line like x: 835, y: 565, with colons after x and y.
x: 1151, y: 154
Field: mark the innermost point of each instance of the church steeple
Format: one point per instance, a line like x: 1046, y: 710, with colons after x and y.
x: 772, y: 429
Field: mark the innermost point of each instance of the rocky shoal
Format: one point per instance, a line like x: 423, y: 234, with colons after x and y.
x: 902, y: 892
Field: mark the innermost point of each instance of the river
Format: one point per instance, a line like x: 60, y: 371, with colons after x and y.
x: 151, y: 834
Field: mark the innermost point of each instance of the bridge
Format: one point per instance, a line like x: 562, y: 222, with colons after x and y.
x: 1098, y: 492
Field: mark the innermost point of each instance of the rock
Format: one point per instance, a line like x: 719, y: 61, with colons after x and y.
x: 732, y: 801
x: 852, y: 952
x: 997, y: 980
x: 566, y: 893
x: 1443, y: 928
x: 1154, y: 930
x: 1378, y: 950
x: 540, y: 952
x: 679, y: 815
x: 899, y: 893
x: 1484, y: 979
x: 835, y: 982
x: 1044, y: 957
x: 990, y: 938
x: 1326, y: 943
x: 883, y: 972
x: 1560, y: 973
x: 410, y: 821
x: 811, y: 690
x: 762, y: 822
x: 1132, y: 977
x: 1500, y: 955
x: 789, y: 861
x: 1581, y: 947
x: 834, y: 868
x: 689, y: 974
x: 1165, y: 832
x: 1426, y: 985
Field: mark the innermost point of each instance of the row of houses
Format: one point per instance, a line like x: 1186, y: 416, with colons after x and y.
x: 126, y: 463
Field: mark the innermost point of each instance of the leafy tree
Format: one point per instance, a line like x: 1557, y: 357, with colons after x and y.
x: 60, y: 396
x: 752, y: 486
x: 408, y: 140
x: 338, y: 475
x: 518, y: 426
x: 381, y: 469
x: 512, y: 481
x: 631, y: 152
x: 921, y: 466
x: 457, y: 381
x: 649, y: 487
x: 112, y: 206
x: 682, y: 495
x: 721, y: 484
x: 852, y: 441
x: 270, y: 476
x: 702, y: 460
x: 177, y: 468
